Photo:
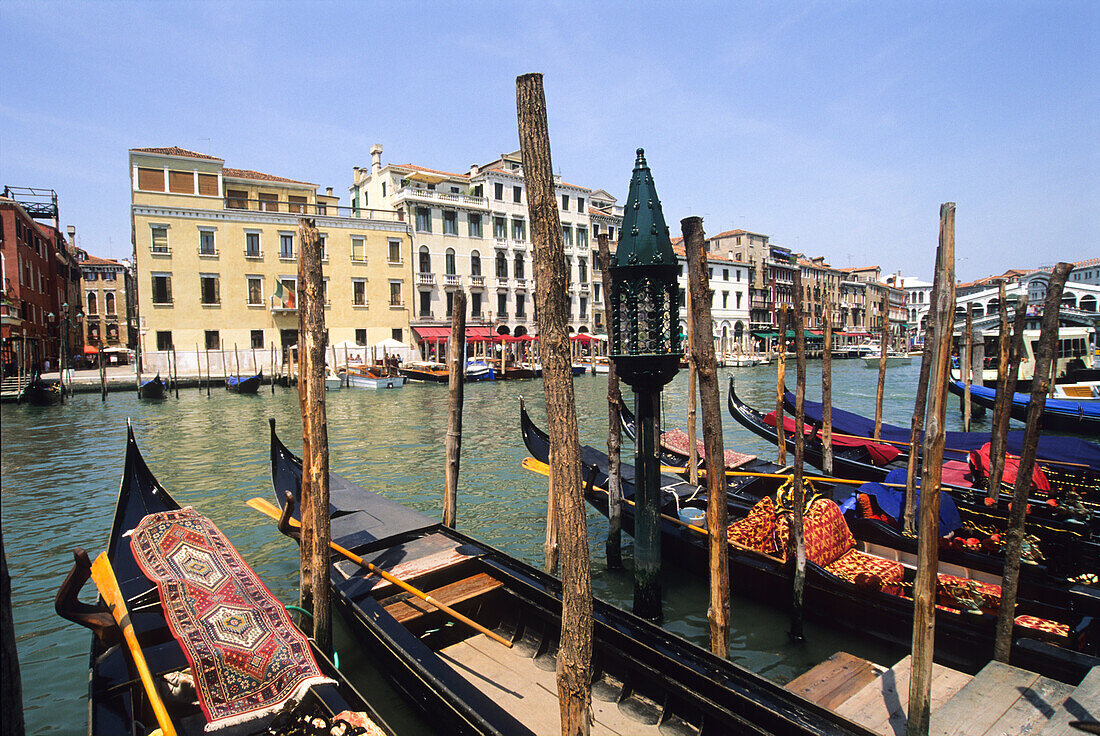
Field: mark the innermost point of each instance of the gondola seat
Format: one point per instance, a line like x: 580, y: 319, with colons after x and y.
x: 1044, y: 629
x: 757, y: 530
x: 876, y: 452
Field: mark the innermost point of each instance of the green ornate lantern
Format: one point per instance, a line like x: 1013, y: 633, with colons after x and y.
x: 645, y: 293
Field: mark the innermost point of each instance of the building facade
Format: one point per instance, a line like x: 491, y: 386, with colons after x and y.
x: 730, y: 282
x: 110, y: 318
x: 470, y: 232
x: 215, y: 257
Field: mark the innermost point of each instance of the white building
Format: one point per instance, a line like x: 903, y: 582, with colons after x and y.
x: 471, y: 232
x: 730, y: 281
x: 918, y: 295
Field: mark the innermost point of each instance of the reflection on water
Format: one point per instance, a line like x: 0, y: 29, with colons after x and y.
x: 61, y: 468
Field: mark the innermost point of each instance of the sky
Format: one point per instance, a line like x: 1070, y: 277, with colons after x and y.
x: 836, y: 128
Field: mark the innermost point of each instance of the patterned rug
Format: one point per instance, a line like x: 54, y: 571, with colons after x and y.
x: 247, y: 658
x: 677, y: 441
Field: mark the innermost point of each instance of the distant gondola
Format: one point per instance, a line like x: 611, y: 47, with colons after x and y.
x: 118, y: 703
x: 863, y: 590
x: 645, y: 680
x: 248, y: 385
x: 1059, y: 415
x: 41, y: 392
x: 152, y: 389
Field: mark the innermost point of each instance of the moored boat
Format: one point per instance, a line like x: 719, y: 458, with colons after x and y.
x: 645, y: 680
x: 118, y: 702
x: 425, y: 370
x: 372, y: 377
x: 152, y: 389
x: 249, y: 385
x: 892, y: 359
x: 479, y: 370
x: 41, y: 392
x: 1079, y: 416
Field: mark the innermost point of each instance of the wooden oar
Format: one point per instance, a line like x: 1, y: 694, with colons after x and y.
x: 104, y: 577
x: 815, y: 478
x: 269, y: 508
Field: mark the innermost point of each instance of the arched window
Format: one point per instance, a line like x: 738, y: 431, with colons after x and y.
x: 518, y: 267
x: 93, y: 305
x: 475, y: 264
x: 449, y: 261
x: 1069, y: 300
x: 1088, y: 303
x: 502, y: 265
x: 109, y: 304
x: 425, y: 260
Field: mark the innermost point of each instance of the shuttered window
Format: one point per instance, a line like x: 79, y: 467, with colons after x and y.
x: 297, y: 204
x: 269, y: 202
x: 236, y: 199
x: 209, y: 291
x: 151, y: 180
x: 181, y: 182
x: 160, y: 239
x: 208, y: 184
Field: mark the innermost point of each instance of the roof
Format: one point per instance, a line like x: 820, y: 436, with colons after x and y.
x: 857, y: 268
x: 414, y: 167
x: 260, y: 176
x: 91, y: 260
x: 175, y: 151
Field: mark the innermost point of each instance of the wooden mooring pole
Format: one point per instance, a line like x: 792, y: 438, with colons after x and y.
x: 207, y: 351
x: 780, y: 386
x: 11, y: 688
x: 456, y: 382
x: 796, y: 543
x: 966, y: 367
x: 703, y: 361
x: 924, y: 589
x: 1040, y: 383
x: 693, y: 447
x: 827, y: 389
x: 102, y: 378
x: 884, y: 325
x: 198, y: 367
x: 574, y: 668
x: 315, y: 459
x: 1002, y: 407
x: 176, y: 371
x: 237, y: 359
x: 613, y: 548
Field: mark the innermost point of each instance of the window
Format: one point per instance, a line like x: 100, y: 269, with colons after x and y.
x: 213, y: 340
x: 236, y: 199
x: 738, y: 295
x: 425, y: 260
x: 108, y: 276
x: 725, y: 299
x: 565, y: 203
x: 256, y: 339
x: 359, y: 292
x: 521, y: 309
x: 423, y: 220
x: 208, y: 289
x: 160, y: 239
x: 596, y: 291
x: 324, y: 292
x: 286, y: 245
x: 567, y: 234
x: 93, y: 303
x: 517, y: 266
x: 251, y: 245
x: 580, y: 204
x: 255, y: 289
x: 394, y: 251
x: 360, y: 337
x: 208, y: 185
x: 725, y: 274
x: 474, y: 221
x: 164, y: 339
x: 475, y: 304
x: 296, y: 204
x: 88, y: 276
x: 151, y: 180
x: 450, y: 222
x: 500, y: 228
x: 582, y: 237
x: 517, y: 194
x: 395, y: 294
x: 582, y: 271
x: 425, y: 304
x: 502, y: 304
x: 502, y: 265
x: 162, y: 288
x: 583, y: 307
x: 475, y: 263
x: 498, y: 191
x: 519, y: 230
x: 181, y: 182
x: 268, y: 202
x: 206, y: 243
x: 109, y: 304
x: 450, y: 303
x: 358, y: 249
x: 610, y: 233
x: 324, y: 245
x: 449, y: 262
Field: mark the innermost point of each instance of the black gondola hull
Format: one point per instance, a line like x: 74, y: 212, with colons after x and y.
x: 152, y: 389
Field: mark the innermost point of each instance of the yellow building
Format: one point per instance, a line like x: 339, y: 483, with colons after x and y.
x: 215, y: 253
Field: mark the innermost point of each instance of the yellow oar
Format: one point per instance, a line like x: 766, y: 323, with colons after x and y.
x: 104, y: 577
x: 269, y: 508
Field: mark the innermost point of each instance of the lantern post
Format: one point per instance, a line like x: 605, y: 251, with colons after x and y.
x: 646, y: 349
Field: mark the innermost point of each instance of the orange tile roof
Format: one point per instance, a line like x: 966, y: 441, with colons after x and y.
x: 97, y: 261
x: 175, y: 151
x: 432, y: 171
x: 260, y: 176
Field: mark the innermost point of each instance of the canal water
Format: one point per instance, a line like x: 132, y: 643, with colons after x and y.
x: 61, y: 467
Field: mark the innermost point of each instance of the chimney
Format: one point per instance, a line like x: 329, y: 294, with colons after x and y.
x: 355, y: 177
x: 376, y: 158
x: 473, y: 170
x: 71, y: 230
x: 328, y: 191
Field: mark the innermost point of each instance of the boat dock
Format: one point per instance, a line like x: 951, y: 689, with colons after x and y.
x: 1000, y: 699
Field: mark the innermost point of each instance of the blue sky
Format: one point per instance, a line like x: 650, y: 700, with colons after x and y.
x: 836, y: 128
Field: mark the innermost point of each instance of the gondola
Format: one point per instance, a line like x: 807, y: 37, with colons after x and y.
x: 40, y: 392
x: 837, y: 594
x: 152, y: 389
x: 675, y: 447
x: 1066, y: 529
x: 249, y: 385
x: 645, y: 680
x: 118, y: 704
x: 1059, y: 415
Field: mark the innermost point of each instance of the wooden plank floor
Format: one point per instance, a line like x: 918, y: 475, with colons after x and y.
x: 835, y: 680
x: 529, y: 692
x: 882, y: 705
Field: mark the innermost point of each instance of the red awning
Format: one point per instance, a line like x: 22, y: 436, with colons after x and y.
x: 90, y: 350
x: 585, y: 338
x: 482, y: 331
x: 433, y: 333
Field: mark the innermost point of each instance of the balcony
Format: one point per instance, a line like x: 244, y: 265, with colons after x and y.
x: 452, y: 279
x: 296, y: 209
x: 281, y: 307
x: 583, y: 287
x: 521, y: 318
x: 501, y: 243
x: 425, y: 279
x: 257, y: 254
x: 421, y: 194
x: 477, y: 282
x: 502, y: 282
x: 501, y: 317
x: 521, y: 284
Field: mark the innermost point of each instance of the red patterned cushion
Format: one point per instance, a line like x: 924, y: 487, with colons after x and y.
x: 969, y: 594
x: 826, y: 533
x: 1043, y: 628
x: 853, y: 562
x: 756, y: 529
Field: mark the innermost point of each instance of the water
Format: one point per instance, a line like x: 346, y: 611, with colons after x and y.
x: 61, y: 468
